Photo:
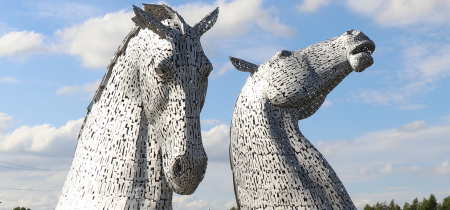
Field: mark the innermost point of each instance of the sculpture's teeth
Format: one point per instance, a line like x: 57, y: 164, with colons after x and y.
x: 366, y: 48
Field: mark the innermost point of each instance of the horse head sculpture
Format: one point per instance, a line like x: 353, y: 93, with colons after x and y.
x: 273, y: 164
x: 141, y: 139
x: 303, y: 78
x: 173, y: 89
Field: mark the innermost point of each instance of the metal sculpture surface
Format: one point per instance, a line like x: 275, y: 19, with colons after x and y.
x: 141, y: 139
x: 274, y: 166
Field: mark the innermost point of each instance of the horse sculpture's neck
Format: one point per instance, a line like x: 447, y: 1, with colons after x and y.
x: 274, y: 164
x: 256, y: 111
x: 118, y: 164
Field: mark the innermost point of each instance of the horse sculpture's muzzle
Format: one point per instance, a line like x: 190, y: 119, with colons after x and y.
x: 188, y: 172
x: 187, y: 166
x: 360, y: 51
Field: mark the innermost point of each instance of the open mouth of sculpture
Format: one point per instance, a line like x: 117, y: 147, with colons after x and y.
x: 361, y: 56
x: 364, y: 49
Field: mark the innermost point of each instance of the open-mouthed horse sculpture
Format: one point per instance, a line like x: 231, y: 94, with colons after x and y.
x: 141, y: 139
x: 274, y: 166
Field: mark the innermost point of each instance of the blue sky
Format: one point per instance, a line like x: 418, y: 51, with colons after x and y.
x: 385, y: 131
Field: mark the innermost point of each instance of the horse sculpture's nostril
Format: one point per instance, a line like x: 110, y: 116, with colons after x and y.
x: 177, y: 168
x: 203, y: 172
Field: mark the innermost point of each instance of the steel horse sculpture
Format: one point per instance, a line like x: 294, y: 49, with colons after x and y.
x: 274, y: 166
x: 141, y: 139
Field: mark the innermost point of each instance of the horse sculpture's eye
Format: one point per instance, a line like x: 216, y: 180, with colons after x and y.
x: 163, y: 72
x: 158, y: 71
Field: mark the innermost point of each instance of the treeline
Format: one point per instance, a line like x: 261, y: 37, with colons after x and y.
x: 21, y: 208
x: 425, y: 204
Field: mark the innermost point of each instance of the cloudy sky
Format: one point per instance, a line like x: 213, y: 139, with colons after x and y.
x: 386, y: 131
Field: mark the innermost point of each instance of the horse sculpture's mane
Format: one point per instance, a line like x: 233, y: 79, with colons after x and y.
x: 120, y: 50
x: 161, y: 13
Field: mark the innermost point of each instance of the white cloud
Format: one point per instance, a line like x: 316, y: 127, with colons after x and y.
x: 235, y: 48
x: 91, y: 87
x: 236, y: 18
x: 414, y: 126
x: 32, y: 180
x: 233, y: 33
x: 412, y: 149
x: 386, y: 169
x: 8, y: 80
x: 327, y: 103
x: 401, y: 12
x: 21, y: 43
x: 447, y: 118
x: 396, y: 13
x: 329, y: 149
x: 216, y: 189
x: 312, y: 5
x: 97, y: 39
x: 216, y: 142
x: 41, y: 138
x: 5, y: 121
x: 181, y: 200
x: 230, y: 204
x: 413, y: 153
x: 62, y: 10
x: 364, y: 171
x: 39, y: 146
x: 443, y: 169
x: 385, y: 98
x: 208, y: 122
x: 188, y: 202
x: 67, y: 90
x: 224, y: 69
x: 197, y: 203
x: 88, y: 88
x: 264, y: 52
x: 424, y: 65
x: 396, y: 188
x: 408, y: 170
x: 411, y: 107
x: 427, y: 61
x: 94, y: 41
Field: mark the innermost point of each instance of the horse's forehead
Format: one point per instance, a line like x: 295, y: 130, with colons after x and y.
x: 187, y: 43
x: 189, y: 47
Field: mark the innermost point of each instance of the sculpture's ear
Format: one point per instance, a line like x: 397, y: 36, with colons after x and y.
x: 146, y: 20
x: 206, y: 22
x: 159, y: 11
x: 242, y: 65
